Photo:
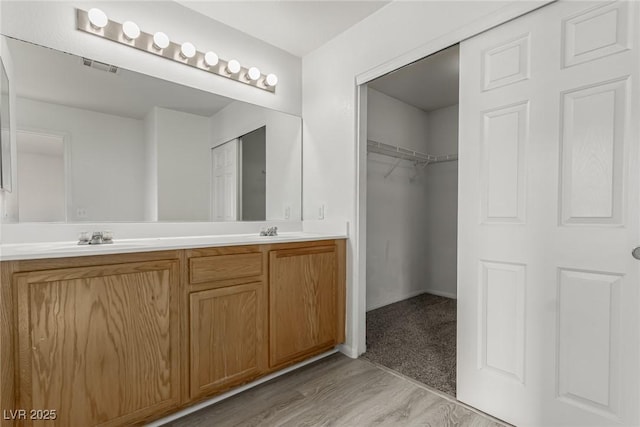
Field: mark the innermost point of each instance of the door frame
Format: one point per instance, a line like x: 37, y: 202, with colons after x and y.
x: 358, y: 302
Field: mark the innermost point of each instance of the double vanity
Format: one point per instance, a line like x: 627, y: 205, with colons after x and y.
x: 129, y: 332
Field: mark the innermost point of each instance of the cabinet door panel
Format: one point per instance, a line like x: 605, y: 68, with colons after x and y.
x: 303, y: 302
x: 99, y: 344
x: 227, y: 337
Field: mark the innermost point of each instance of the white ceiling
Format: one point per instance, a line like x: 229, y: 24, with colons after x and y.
x: 52, y: 76
x: 297, y: 27
x: 428, y: 84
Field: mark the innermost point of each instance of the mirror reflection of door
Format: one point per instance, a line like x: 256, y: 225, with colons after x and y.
x: 239, y: 178
x: 224, y: 186
x: 41, y: 174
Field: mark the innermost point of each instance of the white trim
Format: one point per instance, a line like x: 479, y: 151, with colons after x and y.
x: 485, y: 23
x: 239, y: 176
x: 359, y: 285
x: 348, y: 351
x: 398, y: 299
x: 441, y: 293
x: 237, y: 390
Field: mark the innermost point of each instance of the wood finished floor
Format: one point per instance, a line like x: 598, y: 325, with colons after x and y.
x: 337, y: 391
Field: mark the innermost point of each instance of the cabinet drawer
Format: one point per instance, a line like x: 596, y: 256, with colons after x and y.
x: 223, y: 267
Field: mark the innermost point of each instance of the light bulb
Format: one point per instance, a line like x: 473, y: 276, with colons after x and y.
x: 98, y: 18
x: 130, y: 30
x: 271, y: 80
x: 253, y: 74
x: 233, y: 66
x: 187, y: 50
x: 160, y: 40
x: 211, y: 59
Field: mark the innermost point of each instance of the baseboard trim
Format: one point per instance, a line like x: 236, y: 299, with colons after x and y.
x: 411, y: 295
x: 348, y: 351
x: 238, y: 390
x: 441, y: 293
x: 402, y: 298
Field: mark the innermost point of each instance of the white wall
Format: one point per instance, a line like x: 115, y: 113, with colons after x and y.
x: 53, y: 24
x: 184, y: 164
x: 441, y: 180
x: 107, y: 158
x: 401, y: 29
x: 284, y: 152
x: 397, y: 205
x: 151, y: 166
x: 395, y: 122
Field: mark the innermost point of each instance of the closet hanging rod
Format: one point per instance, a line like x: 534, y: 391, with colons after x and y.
x: 403, y: 153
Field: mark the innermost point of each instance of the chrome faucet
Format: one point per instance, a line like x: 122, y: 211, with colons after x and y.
x: 270, y: 231
x: 97, y: 238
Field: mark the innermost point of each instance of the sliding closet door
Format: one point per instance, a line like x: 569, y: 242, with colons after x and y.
x: 548, y: 325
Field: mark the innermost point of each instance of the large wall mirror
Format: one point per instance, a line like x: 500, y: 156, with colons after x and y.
x: 99, y: 143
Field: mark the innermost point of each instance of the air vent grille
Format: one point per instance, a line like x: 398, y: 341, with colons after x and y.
x: 100, y: 65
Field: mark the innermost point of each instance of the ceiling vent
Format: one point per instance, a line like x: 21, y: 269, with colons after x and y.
x: 100, y: 65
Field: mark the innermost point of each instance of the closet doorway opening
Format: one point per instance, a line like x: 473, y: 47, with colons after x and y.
x: 412, y: 218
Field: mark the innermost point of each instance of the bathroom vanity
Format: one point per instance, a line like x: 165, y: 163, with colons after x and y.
x: 125, y: 338
x: 128, y: 332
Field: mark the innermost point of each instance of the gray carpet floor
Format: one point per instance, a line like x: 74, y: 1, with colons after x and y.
x: 416, y: 337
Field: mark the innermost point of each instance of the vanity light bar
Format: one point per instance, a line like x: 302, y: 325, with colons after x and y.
x: 96, y: 22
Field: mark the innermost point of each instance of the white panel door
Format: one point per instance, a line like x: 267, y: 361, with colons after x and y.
x: 548, y: 330
x: 224, y: 186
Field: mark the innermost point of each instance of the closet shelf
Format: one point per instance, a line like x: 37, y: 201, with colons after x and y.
x: 404, y: 154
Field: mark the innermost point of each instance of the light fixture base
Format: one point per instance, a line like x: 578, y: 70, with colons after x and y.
x: 113, y: 31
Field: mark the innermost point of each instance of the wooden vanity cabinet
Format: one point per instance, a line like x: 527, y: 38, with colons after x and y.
x: 227, y: 318
x: 98, y: 343
x: 306, y: 300
x: 124, y: 339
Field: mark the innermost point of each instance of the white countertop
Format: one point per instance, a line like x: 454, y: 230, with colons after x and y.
x: 24, y: 251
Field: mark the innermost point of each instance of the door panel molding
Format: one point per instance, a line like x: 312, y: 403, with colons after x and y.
x: 588, y: 326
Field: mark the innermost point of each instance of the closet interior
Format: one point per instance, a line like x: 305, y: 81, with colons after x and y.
x: 412, y: 192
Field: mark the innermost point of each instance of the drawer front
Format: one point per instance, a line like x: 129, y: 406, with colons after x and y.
x: 223, y: 267
x: 228, y: 337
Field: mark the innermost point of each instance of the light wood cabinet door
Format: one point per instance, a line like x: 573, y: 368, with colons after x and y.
x: 304, y: 302
x: 228, y: 342
x: 99, y: 344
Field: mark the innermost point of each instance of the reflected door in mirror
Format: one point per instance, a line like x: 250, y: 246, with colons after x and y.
x: 224, y: 161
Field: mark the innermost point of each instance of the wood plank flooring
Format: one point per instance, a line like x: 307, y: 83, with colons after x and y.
x: 337, y: 391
